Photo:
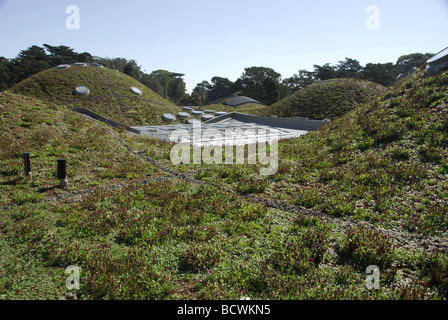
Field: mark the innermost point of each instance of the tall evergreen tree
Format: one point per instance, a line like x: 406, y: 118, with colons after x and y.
x: 259, y: 83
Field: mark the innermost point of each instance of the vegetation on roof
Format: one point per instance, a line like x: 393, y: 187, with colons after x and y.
x: 326, y: 99
x: 49, y: 132
x: 369, y: 188
x: 110, y: 94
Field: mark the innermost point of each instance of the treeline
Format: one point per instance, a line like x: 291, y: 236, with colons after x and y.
x: 260, y: 83
x: 35, y: 59
x: 265, y: 84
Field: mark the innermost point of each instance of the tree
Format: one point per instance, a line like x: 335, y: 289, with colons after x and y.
x: 191, y: 100
x: 409, y: 61
x: 382, y: 73
x: 195, y: 99
x: 348, y: 68
x: 203, y: 90
x: 325, y: 72
x: 133, y: 70
x: 5, y: 73
x: 60, y: 55
x: 169, y: 85
x: 220, y: 88
x: 283, y: 91
x: 85, y: 57
x: 299, y: 81
x: 29, y: 62
x: 259, y: 83
x: 152, y: 83
x: 112, y: 63
x: 158, y: 81
x: 176, y: 89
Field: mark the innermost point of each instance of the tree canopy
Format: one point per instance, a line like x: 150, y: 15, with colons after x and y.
x: 260, y: 83
x: 35, y: 59
x: 169, y: 85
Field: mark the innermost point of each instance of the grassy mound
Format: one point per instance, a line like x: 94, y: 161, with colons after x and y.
x: 385, y: 161
x: 110, y: 94
x: 377, y: 179
x: 252, y: 108
x: 50, y: 132
x: 329, y: 98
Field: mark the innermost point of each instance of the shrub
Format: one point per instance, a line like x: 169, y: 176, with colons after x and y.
x: 130, y: 277
x: 199, y: 258
x: 435, y: 265
x: 307, y: 198
x: 300, y: 252
x: 252, y: 185
x: 364, y: 246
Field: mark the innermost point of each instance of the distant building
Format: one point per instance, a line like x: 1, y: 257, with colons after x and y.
x: 240, y: 100
x: 403, y: 75
x: 436, y: 63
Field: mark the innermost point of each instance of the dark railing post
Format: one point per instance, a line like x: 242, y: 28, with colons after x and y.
x: 62, y: 173
x: 26, y: 159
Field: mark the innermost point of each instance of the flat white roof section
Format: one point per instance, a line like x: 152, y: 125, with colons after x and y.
x: 437, y: 62
x: 439, y: 56
x: 232, y: 129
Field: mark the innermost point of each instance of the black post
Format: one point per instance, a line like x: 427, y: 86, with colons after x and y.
x: 26, y: 159
x: 62, y: 173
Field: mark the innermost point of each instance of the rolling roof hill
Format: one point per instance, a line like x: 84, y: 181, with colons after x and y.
x: 241, y: 104
x: 376, y: 179
x: 110, y: 93
x: 384, y: 161
x: 325, y: 99
x: 49, y: 132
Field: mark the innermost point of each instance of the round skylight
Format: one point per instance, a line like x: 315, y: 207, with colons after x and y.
x: 82, y: 91
x: 191, y: 121
x: 189, y: 109
x: 220, y: 113
x: 197, y: 113
x: 137, y: 91
x: 206, y: 117
x: 183, y: 115
x: 168, y: 117
x: 63, y: 66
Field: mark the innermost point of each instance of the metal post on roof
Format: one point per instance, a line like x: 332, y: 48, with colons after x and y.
x: 62, y: 173
x: 26, y: 159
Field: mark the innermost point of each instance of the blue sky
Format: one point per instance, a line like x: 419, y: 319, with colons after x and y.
x: 206, y: 38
